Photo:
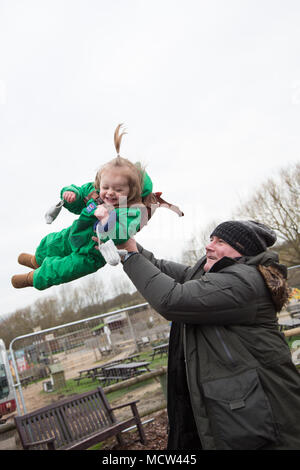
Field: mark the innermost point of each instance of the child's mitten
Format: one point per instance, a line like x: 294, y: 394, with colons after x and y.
x: 53, y: 212
x: 110, y: 252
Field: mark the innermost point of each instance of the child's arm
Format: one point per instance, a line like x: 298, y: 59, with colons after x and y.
x: 74, y: 196
x: 120, y: 225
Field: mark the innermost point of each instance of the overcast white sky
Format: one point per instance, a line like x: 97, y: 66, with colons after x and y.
x: 209, y: 92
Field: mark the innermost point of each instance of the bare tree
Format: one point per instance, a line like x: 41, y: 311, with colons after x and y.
x: 276, y: 203
x: 70, y: 298
x: 196, y: 245
x: 46, y: 312
x: 18, y: 323
x: 121, y: 285
x: 92, y: 291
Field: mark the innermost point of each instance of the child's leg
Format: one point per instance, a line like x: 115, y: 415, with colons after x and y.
x: 56, y: 270
x: 54, y: 244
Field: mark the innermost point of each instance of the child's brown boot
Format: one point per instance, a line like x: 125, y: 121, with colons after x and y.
x: 22, y: 280
x: 28, y: 260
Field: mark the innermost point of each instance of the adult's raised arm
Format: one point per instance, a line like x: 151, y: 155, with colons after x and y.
x: 222, y: 298
x: 176, y: 271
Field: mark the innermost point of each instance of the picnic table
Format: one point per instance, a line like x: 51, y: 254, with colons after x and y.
x: 123, y: 371
x: 26, y: 380
x: 132, y: 358
x: 89, y: 373
x: 161, y: 349
x: 92, y: 372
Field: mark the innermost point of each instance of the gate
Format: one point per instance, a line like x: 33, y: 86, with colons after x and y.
x: 52, y: 358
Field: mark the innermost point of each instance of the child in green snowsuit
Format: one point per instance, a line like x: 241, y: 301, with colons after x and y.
x: 70, y: 254
x: 119, y: 202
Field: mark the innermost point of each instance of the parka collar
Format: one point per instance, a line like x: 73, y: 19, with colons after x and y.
x: 273, y: 273
x: 267, y: 258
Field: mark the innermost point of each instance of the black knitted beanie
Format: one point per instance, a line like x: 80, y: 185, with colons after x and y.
x: 248, y: 237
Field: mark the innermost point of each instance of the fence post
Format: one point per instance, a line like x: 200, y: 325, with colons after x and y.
x: 132, y: 331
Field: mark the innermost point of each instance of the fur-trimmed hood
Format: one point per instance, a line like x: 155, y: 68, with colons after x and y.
x: 274, y: 275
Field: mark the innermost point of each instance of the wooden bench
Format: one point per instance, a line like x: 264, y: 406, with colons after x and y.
x: 75, y: 423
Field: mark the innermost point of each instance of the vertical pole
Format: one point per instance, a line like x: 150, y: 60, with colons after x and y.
x: 132, y: 331
x: 18, y: 384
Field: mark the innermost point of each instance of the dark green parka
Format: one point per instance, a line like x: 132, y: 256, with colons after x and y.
x: 231, y: 381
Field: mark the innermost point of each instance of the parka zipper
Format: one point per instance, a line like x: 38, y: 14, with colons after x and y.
x: 188, y: 385
x: 227, y: 352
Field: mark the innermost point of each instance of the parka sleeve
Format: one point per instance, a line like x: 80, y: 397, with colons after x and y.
x: 81, y: 192
x: 214, y: 299
x: 176, y: 271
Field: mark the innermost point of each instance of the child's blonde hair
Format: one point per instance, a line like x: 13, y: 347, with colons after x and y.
x: 133, y: 172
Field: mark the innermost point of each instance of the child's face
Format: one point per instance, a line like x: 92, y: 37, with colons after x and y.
x: 113, y: 184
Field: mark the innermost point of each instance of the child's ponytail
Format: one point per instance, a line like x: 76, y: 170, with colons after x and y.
x: 134, y: 173
x: 118, y: 138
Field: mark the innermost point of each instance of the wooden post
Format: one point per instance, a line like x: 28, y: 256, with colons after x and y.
x: 292, y: 332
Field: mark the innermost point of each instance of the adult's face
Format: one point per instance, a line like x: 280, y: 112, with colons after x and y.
x: 217, y: 249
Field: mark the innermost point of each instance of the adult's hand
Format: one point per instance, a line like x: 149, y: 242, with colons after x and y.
x: 130, y: 245
x: 95, y: 239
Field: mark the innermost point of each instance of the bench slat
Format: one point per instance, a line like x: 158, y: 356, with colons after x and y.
x: 90, y: 416
x: 98, y: 412
x: 103, y: 435
x: 74, y: 423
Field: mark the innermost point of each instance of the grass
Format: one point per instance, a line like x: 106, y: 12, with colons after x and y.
x: 292, y: 339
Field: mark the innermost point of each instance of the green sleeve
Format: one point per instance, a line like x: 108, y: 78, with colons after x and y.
x: 81, y: 192
x: 82, y: 228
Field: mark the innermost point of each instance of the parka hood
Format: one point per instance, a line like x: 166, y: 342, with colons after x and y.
x: 274, y: 275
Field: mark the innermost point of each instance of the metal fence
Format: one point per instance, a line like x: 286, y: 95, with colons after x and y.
x: 289, y: 319
x: 49, y: 360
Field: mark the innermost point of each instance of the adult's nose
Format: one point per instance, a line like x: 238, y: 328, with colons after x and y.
x: 209, y: 245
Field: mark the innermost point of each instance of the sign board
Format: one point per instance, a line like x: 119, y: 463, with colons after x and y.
x: 118, y: 317
x: 49, y: 337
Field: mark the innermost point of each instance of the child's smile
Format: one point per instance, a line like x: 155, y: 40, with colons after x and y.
x: 114, y: 184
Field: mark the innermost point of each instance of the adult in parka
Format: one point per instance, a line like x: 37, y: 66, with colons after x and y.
x: 231, y: 381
